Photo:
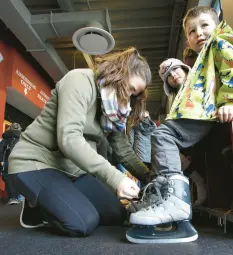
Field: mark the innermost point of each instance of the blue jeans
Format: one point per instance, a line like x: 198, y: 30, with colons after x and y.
x: 71, y: 206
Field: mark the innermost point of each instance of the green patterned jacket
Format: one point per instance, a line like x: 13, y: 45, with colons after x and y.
x: 209, y: 84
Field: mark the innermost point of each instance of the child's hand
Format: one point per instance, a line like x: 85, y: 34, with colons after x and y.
x: 225, y: 113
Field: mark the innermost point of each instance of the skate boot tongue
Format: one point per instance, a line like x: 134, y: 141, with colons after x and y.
x: 149, y: 194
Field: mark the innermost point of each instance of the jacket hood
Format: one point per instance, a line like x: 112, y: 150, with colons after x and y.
x: 165, y: 69
x: 147, y: 126
x: 11, y: 133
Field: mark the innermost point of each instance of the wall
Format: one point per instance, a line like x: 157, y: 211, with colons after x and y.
x: 2, y: 87
x: 18, y: 77
x: 182, y: 44
x: 14, y: 115
x: 27, y: 81
x: 227, y: 6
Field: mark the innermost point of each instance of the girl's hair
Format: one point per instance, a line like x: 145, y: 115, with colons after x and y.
x: 116, y: 70
x: 138, y: 105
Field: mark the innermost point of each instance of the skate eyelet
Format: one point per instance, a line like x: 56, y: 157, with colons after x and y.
x: 171, y: 182
x: 171, y: 190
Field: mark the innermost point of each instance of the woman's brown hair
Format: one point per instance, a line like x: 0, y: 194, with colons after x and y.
x: 116, y: 70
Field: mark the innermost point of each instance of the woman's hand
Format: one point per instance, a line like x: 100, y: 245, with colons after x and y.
x: 127, y: 188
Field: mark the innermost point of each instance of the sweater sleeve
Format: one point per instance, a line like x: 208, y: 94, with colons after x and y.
x: 75, y: 95
x: 223, y: 58
x: 126, y: 156
x: 131, y: 137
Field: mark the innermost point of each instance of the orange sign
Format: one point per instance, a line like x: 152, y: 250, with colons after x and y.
x: 28, y: 82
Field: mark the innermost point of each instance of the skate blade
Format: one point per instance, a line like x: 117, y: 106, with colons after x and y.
x: 164, y: 227
x: 181, y: 232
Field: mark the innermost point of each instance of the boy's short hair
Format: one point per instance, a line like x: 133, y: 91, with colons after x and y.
x: 197, y: 11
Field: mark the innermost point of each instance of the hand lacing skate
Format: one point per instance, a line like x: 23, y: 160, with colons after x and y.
x: 149, y: 196
x: 139, y: 204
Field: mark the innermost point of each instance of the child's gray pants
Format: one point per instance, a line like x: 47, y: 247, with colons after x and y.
x: 170, y: 137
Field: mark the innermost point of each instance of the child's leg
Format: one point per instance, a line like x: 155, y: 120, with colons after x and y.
x: 174, y: 202
x: 189, y: 170
x: 201, y: 189
x: 173, y: 135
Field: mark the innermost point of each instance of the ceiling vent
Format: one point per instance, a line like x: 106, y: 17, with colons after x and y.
x: 93, y: 39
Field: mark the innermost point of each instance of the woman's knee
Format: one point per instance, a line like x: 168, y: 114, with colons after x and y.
x: 69, y: 216
x: 72, y: 226
x: 72, y: 229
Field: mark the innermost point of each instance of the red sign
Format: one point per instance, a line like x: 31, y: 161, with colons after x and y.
x: 28, y: 82
x: 3, y: 54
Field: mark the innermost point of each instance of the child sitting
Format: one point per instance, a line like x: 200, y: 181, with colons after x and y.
x: 174, y: 72
x: 204, y: 98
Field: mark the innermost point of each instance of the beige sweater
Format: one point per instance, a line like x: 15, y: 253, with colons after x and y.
x: 64, y: 136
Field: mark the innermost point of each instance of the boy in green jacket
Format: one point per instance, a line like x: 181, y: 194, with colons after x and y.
x: 205, y: 97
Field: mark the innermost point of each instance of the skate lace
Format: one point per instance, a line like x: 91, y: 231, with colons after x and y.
x: 166, y: 189
x: 131, y: 201
x: 146, y: 195
x: 159, y: 200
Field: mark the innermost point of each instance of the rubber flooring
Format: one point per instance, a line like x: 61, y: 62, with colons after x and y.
x: 15, y: 240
